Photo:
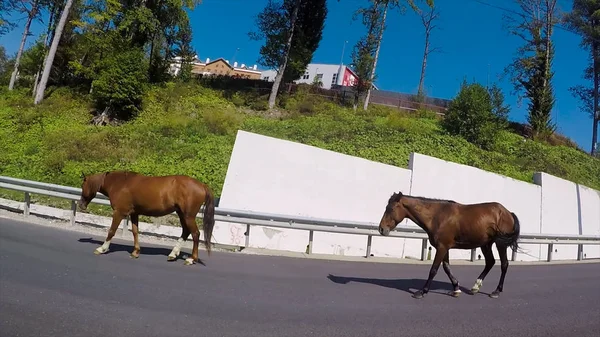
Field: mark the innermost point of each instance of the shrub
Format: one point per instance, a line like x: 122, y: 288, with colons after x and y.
x: 476, y: 115
x: 121, y: 84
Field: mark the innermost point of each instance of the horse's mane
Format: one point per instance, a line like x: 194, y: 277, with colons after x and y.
x: 397, y: 196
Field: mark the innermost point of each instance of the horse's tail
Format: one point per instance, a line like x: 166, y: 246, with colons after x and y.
x: 208, y: 219
x: 511, y: 239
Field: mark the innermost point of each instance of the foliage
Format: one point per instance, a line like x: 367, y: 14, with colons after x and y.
x: 363, y: 53
x: 585, y: 20
x: 273, y: 25
x: 189, y: 129
x: 124, y: 100
x: 531, y: 70
x: 476, y: 115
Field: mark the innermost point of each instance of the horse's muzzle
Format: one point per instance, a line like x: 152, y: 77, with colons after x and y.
x: 384, y: 231
x: 82, y: 205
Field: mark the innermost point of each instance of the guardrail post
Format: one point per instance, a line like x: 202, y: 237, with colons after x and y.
x: 424, y: 250
x: 73, y: 211
x: 579, y: 252
x: 26, y: 209
x: 310, y: 241
x: 247, y: 243
x: 124, y: 223
x: 514, y: 256
x: 369, y: 241
x: 473, y: 252
x: 550, y: 251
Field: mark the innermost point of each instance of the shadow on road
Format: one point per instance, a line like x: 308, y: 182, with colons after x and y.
x: 401, y: 284
x: 115, y: 247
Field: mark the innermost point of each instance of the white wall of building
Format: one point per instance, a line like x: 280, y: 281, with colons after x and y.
x: 328, y: 73
x: 277, y: 176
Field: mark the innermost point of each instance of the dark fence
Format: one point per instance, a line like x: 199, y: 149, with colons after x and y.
x: 342, y: 95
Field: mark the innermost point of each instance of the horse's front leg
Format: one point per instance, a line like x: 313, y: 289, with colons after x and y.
x: 116, y: 220
x: 439, y: 256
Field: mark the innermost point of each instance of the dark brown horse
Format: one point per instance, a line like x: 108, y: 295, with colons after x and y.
x: 451, y: 225
x: 132, y: 194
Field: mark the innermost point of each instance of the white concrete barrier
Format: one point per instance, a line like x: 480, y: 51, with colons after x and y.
x: 271, y: 175
x: 589, y: 220
x: 568, y: 208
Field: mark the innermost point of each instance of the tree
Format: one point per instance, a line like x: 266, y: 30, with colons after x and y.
x: 585, y: 20
x: 5, y: 25
x: 476, y: 114
x: 364, y: 52
x: 32, y: 13
x: 52, y: 52
x: 428, y: 20
x: 367, y: 48
x: 531, y: 70
x: 185, y: 50
x: 292, y: 31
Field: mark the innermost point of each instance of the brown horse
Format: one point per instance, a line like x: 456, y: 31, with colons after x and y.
x: 451, y: 225
x: 132, y: 194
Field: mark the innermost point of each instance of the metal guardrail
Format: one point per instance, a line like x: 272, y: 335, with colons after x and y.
x: 312, y: 225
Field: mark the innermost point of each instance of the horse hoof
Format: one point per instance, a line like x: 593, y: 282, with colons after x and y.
x: 455, y: 293
x: 474, y: 291
x: 418, y: 295
x: 171, y: 258
x: 189, y: 262
x: 495, y: 294
x: 97, y: 252
x: 134, y: 256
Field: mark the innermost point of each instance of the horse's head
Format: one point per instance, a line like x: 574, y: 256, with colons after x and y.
x: 89, y: 188
x: 393, y: 215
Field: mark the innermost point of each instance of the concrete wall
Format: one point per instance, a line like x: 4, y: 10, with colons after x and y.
x: 568, y: 208
x: 276, y: 176
x: 589, y: 203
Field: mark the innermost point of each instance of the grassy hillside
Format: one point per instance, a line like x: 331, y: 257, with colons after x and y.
x: 190, y: 130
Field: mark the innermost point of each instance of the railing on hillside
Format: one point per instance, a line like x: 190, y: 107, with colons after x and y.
x: 312, y: 225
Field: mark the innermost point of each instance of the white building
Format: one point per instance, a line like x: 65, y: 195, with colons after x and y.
x: 328, y: 74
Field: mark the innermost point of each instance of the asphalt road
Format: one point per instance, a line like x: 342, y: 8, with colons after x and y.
x: 51, y: 284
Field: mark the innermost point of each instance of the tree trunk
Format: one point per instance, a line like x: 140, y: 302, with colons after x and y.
x: 46, y: 41
x: 279, y: 76
x: 550, y: 5
x: 32, y: 14
x: 596, y: 113
x: 366, y: 103
x: 52, y: 52
x: 421, y: 90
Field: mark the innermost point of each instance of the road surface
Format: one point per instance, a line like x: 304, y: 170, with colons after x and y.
x: 51, y: 284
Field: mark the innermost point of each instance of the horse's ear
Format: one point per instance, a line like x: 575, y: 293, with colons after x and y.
x: 82, y: 175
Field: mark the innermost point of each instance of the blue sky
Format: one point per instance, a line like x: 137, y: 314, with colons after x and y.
x: 472, y: 36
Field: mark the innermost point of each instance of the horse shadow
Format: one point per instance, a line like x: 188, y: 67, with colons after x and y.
x: 438, y: 287
x: 116, y: 247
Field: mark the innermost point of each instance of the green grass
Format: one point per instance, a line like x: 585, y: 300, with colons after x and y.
x: 188, y: 129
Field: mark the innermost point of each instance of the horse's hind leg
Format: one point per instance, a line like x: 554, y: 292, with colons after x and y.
x: 503, y: 268
x: 185, y: 233
x: 489, y: 263
x: 446, y: 265
x: 134, y: 230
x: 190, y: 221
x: 116, y: 220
